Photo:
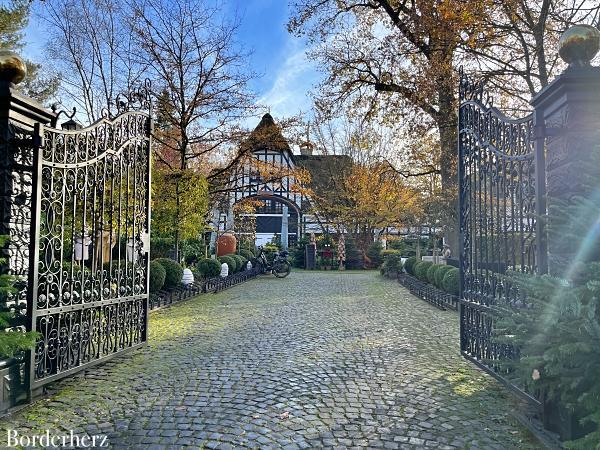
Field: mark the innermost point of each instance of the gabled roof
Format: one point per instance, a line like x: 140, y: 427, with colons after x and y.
x: 266, y: 136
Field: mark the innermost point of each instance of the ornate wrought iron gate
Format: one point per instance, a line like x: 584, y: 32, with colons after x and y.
x: 88, y: 294
x: 501, y: 194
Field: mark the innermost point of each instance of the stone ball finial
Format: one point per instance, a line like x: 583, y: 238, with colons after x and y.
x: 12, y: 67
x: 579, y: 44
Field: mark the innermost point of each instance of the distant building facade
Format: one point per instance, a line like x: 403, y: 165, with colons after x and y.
x: 284, y: 211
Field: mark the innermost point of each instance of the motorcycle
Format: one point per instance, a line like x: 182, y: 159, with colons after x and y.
x: 280, y: 267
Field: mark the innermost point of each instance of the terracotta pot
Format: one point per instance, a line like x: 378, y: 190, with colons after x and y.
x: 226, y: 244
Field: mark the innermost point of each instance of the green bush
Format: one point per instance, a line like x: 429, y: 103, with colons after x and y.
x: 409, y: 265
x: 431, y: 273
x: 67, y: 266
x: 248, y: 254
x: 161, y: 247
x: 240, y: 262
x: 374, y: 254
x: 440, y: 273
x: 157, y: 276
x: 421, y: 270
x: 11, y: 315
x: 231, y: 263
x: 354, y: 259
x: 209, y: 268
x: 174, y: 272
x: 450, y: 282
x: 298, y: 253
x: 192, y: 250
x: 392, y: 263
x: 246, y: 244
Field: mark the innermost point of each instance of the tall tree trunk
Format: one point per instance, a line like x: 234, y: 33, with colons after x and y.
x: 418, y: 249
x: 447, y: 124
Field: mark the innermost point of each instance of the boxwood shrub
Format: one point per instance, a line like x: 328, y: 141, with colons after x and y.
x: 439, y: 275
x: 231, y: 263
x: 209, y: 268
x: 174, y: 272
x: 157, y: 276
x: 450, y: 281
x: 248, y: 254
x: 421, y: 270
x: 240, y: 262
x: 409, y: 265
x: 431, y: 273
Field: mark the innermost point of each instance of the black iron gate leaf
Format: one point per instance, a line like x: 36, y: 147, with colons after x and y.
x: 91, y: 216
x: 498, y: 218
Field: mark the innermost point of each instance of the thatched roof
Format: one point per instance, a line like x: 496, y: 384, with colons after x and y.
x: 266, y: 136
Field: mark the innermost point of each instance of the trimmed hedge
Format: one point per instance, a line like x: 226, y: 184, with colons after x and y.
x: 209, y: 268
x: 439, y: 275
x: 248, y: 254
x: 174, y: 272
x: 231, y: 263
x: 157, y: 276
x: 240, y: 261
x: 409, y: 265
x: 431, y: 273
x: 421, y: 270
x: 451, y: 280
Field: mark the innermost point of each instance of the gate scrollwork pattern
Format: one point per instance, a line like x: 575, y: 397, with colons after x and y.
x: 90, y: 291
x: 497, y: 183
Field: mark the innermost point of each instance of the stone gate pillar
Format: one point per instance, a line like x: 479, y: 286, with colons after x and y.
x: 568, y: 116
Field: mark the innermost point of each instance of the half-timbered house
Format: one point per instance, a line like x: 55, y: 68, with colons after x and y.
x: 284, y: 211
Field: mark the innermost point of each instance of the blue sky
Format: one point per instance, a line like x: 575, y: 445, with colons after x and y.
x: 285, y: 74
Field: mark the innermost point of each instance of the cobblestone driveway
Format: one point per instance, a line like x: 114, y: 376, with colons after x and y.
x: 315, y: 360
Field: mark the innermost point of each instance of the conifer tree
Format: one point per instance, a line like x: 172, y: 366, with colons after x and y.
x: 14, y: 17
x: 557, y: 325
x: 12, y: 339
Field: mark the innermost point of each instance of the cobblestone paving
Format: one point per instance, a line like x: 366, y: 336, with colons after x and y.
x: 317, y: 360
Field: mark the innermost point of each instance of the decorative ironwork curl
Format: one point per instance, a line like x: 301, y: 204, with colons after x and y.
x: 93, y: 197
x: 497, y: 196
x: 471, y: 90
x: 54, y: 109
x: 138, y: 99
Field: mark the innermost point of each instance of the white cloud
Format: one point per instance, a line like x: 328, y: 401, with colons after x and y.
x: 289, y: 92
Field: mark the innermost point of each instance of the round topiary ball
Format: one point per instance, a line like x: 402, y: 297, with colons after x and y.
x: 421, y: 270
x: 174, y: 272
x: 409, y: 265
x: 451, y: 281
x: 239, y: 260
x: 440, y: 273
x: 209, y: 268
x: 431, y: 273
x: 231, y: 263
x: 247, y: 254
x: 157, y: 276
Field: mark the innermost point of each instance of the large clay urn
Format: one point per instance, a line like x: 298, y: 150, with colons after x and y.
x: 226, y: 244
